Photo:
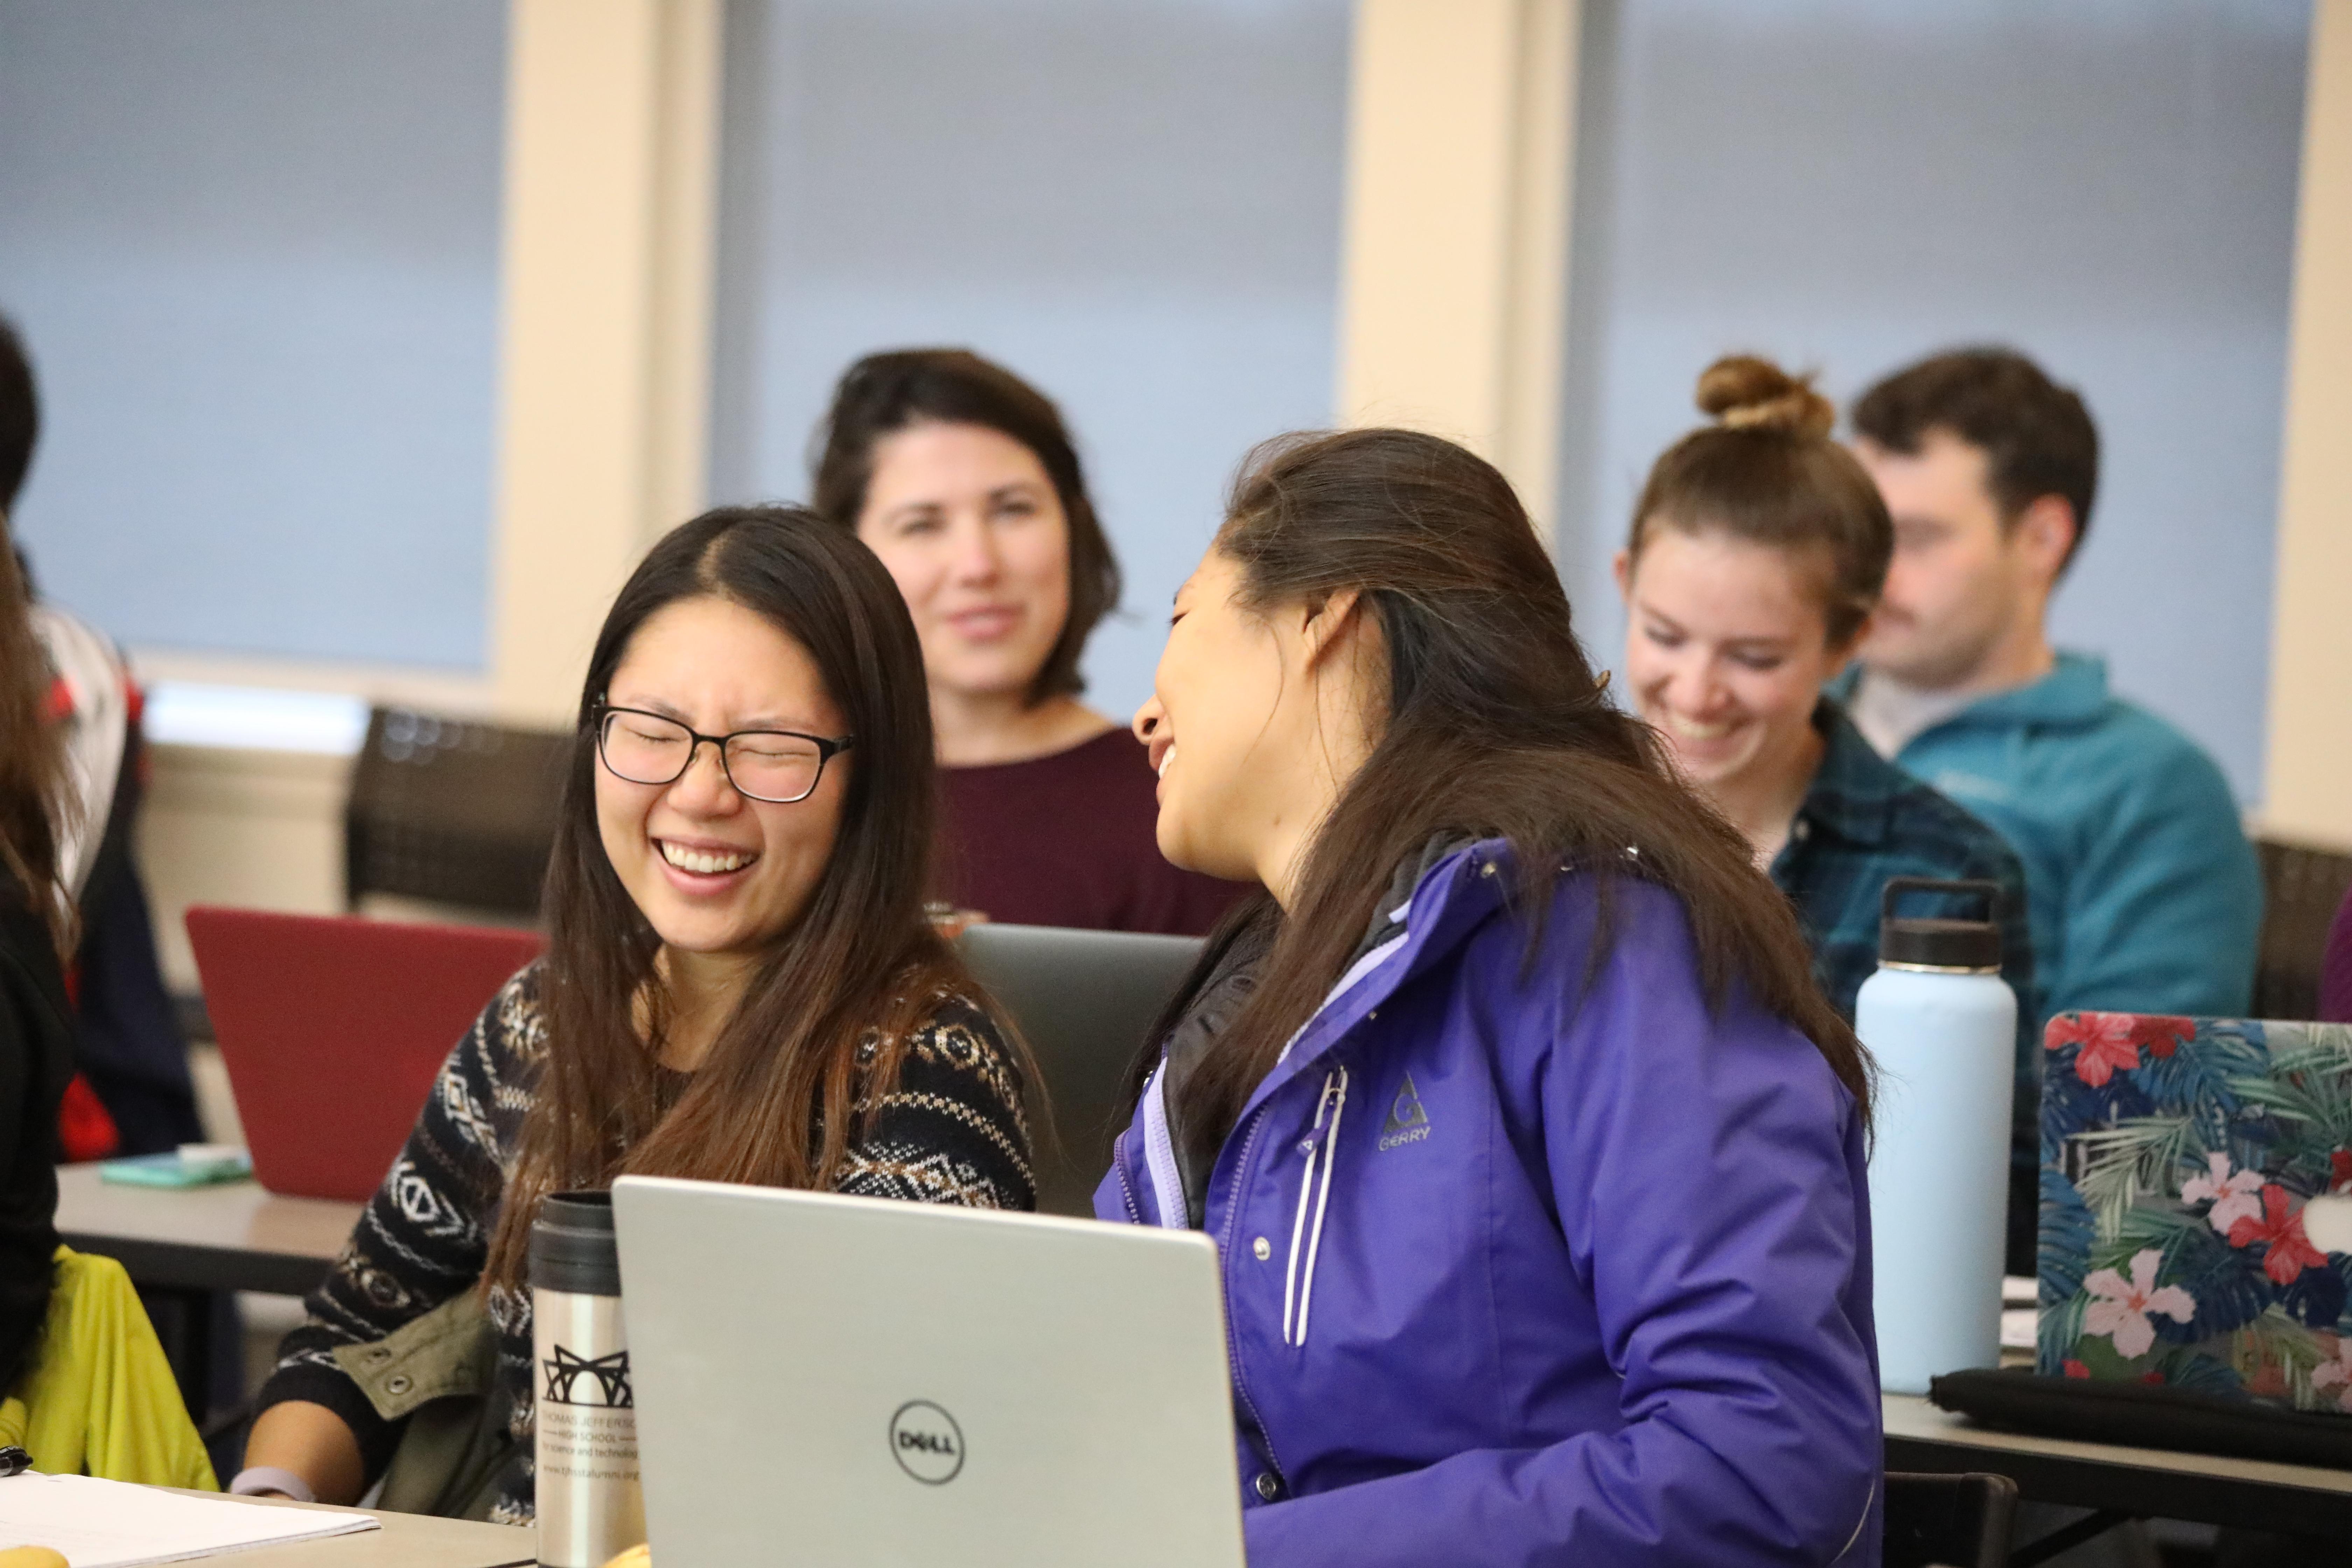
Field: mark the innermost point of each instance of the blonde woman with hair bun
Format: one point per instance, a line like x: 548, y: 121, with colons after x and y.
x: 1752, y: 567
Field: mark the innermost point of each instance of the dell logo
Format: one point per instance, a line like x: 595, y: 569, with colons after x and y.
x: 926, y: 1442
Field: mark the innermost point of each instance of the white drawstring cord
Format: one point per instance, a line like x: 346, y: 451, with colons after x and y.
x: 1868, y: 1498
x: 1322, y: 1203
x: 1298, y: 1229
x: 1296, y: 1288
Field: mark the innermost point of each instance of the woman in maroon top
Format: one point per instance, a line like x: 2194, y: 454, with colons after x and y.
x: 963, y: 478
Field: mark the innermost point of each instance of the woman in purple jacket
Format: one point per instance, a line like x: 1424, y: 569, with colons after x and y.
x: 1533, y: 1154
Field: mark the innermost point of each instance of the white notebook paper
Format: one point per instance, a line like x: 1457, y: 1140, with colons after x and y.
x: 109, y: 1524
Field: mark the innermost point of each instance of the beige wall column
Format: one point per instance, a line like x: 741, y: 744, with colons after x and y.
x: 1454, y: 285
x: 612, y: 137
x: 2309, y: 774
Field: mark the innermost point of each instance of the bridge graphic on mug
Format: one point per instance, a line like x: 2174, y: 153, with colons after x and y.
x: 607, y: 1380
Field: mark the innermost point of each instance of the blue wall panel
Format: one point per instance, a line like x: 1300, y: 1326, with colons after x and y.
x: 254, y: 246
x: 1135, y: 206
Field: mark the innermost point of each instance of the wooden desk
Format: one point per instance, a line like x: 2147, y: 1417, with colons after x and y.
x: 406, y: 1540
x: 2146, y: 1483
x: 234, y: 1236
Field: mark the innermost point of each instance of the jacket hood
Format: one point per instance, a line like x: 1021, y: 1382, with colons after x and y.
x: 1183, y: 1168
x: 1433, y: 905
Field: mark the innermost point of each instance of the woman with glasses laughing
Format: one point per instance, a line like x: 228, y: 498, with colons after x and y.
x: 739, y: 986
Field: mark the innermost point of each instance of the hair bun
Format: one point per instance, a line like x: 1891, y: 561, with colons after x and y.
x: 1742, y: 392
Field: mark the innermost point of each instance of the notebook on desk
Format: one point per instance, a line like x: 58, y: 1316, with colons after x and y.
x: 2196, y: 1237
x: 861, y: 1382
x: 332, y: 1029
x: 112, y: 1524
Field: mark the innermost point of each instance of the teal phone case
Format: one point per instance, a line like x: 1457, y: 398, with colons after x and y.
x: 168, y: 1169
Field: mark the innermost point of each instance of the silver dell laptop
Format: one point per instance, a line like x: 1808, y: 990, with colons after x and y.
x: 857, y: 1382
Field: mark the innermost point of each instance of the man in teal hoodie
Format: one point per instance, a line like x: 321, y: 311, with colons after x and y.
x: 2143, y: 893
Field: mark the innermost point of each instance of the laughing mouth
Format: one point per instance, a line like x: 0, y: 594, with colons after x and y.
x: 1692, y: 730
x: 1167, y: 758
x: 709, y: 862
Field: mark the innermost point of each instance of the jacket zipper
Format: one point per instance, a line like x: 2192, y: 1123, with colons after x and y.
x: 1127, y: 1194
x: 1240, y: 1183
x: 1233, y: 1355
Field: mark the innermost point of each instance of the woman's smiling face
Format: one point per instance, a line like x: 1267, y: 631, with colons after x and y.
x: 713, y: 871
x: 970, y: 525
x: 1219, y: 689
x: 1727, y: 649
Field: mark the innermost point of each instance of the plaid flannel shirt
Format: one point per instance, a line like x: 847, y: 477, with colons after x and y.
x: 1864, y: 820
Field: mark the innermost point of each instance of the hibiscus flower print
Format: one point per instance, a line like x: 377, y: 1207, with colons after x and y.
x: 2235, y: 1195
x: 2337, y: 1374
x: 2161, y: 1034
x: 2120, y: 1307
x: 2106, y: 1042
x: 2288, y: 1252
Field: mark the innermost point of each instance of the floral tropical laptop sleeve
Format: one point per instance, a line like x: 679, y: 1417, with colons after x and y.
x: 2197, y: 1205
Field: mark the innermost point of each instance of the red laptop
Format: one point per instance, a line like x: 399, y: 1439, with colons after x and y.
x: 332, y: 1030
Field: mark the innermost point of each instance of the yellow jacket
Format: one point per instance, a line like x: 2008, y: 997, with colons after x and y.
x: 101, y: 1400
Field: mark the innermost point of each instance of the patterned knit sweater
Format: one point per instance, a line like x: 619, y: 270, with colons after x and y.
x: 953, y: 1132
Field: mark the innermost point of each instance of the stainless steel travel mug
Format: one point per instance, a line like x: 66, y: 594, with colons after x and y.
x: 590, y: 1506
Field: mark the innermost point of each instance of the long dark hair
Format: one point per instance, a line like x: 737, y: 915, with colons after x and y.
x: 1496, y: 726
x: 822, y: 1026
x: 20, y: 414
x: 1768, y: 472
x: 886, y: 393
x: 35, y: 790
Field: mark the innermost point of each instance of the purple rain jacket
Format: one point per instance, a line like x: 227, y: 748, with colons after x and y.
x: 1520, y: 1272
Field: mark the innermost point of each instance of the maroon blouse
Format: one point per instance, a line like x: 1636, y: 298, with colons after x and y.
x: 2335, y: 968
x: 1068, y: 840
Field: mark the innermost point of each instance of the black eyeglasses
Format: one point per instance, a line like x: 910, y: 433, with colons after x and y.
x: 779, y: 766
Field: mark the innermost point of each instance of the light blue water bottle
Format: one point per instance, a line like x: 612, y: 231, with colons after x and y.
x: 1943, y: 1026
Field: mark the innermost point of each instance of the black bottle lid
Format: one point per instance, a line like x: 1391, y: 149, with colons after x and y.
x: 573, y: 1246
x: 1943, y: 941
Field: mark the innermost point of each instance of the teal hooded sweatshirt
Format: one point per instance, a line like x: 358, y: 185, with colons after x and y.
x: 2142, y: 893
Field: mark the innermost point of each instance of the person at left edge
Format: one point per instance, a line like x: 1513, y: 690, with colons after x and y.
x: 36, y: 926
x: 132, y: 1093
x: 1533, y: 1154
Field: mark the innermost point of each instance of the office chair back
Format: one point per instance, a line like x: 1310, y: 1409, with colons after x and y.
x: 2301, y: 889
x: 1083, y: 1000
x: 453, y: 812
x: 1949, y: 1521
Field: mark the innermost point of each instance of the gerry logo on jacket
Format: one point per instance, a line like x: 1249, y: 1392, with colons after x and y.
x: 1408, y: 1123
